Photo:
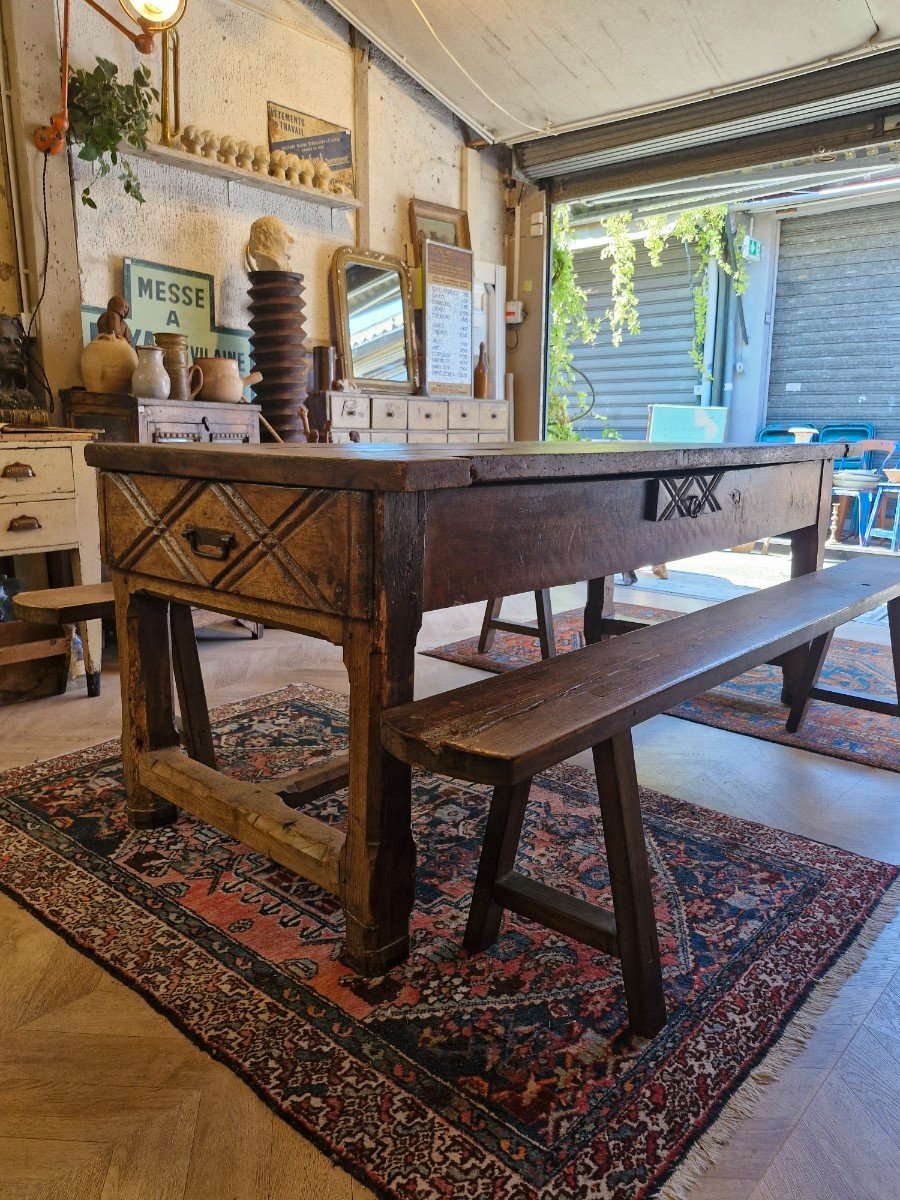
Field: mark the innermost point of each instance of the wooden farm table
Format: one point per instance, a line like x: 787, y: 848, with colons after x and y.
x: 352, y: 543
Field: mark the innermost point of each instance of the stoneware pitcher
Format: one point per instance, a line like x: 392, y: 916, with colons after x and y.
x: 221, y: 380
x: 186, y: 381
x: 150, y: 380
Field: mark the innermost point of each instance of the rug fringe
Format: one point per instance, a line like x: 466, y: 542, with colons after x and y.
x: 705, y: 1151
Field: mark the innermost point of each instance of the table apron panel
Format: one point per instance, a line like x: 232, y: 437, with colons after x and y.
x: 498, y: 540
x: 308, y: 548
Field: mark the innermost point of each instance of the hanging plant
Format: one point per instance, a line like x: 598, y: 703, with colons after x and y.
x: 702, y: 232
x: 104, y: 113
x: 569, y: 323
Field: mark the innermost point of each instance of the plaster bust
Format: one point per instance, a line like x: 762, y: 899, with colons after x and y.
x: 269, y: 248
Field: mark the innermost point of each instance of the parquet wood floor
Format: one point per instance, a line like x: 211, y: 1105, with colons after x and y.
x: 102, y: 1099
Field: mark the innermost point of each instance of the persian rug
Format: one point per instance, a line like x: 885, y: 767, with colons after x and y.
x: 509, y: 1075
x: 750, y: 704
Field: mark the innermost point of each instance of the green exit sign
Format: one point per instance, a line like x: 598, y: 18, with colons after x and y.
x: 752, y: 249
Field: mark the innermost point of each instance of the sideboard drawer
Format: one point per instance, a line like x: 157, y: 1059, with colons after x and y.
x: 37, y: 525
x: 388, y: 413
x: 350, y: 412
x: 493, y: 417
x: 463, y: 414
x: 428, y: 414
x: 27, y: 471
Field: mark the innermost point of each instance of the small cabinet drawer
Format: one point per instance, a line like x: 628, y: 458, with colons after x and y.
x: 464, y: 439
x: 492, y: 437
x: 29, y: 471
x: 37, y: 525
x: 389, y: 414
x: 493, y: 417
x: 431, y: 439
x: 428, y: 414
x: 463, y: 414
x: 350, y: 412
x: 389, y: 437
x: 345, y: 436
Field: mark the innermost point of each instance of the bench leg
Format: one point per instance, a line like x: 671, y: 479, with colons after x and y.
x: 488, y: 632
x: 498, y: 856
x: 809, y: 677
x: 189, y: 685
x: 629, y: 877
x: 546, y: 632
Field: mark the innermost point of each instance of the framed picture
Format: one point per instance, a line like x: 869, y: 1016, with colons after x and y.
x: 437, y: 223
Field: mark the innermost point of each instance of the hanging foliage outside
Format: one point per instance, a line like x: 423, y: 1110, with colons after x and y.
x: 569, y: 324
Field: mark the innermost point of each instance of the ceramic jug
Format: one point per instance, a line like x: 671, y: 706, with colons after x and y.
x: 107, y: 364
x: 221, y: 380
x: 150, y: 380
x: 186, y: 381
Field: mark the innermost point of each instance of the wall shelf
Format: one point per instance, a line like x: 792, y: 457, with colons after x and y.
x: 210, y: 166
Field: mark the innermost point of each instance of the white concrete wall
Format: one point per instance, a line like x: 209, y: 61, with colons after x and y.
x: 236, y: 55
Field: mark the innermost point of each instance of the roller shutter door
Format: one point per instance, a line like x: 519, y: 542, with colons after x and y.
x: 652, y: 367
x: 836, y: 327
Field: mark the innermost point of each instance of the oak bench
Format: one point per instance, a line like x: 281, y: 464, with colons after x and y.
x: 504, y: 730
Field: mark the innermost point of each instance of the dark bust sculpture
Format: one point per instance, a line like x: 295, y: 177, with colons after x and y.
x: 14, y: 391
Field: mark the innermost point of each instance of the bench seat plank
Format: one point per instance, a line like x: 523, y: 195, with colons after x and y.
x: 508, y: 728
x: 67, y: 605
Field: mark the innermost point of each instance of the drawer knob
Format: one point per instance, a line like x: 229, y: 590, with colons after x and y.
x: 463, y: 415
x: 17, y: 470
x: 209, y: 543
x: 428, y: 416
x: 388, y: 412
x: 23, y: 525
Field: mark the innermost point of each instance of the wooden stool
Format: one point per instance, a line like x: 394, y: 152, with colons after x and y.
x: 543, y: 632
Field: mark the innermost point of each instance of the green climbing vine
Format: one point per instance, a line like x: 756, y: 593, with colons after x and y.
x: 702, y: 232
x: 569, y: 323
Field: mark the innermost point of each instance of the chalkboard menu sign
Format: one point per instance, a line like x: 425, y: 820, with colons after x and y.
x: 448, y: 319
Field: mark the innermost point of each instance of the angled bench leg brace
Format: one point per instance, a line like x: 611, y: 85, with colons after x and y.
x: 631, y: 934
x: 808, y: 690
x: 543, y: 632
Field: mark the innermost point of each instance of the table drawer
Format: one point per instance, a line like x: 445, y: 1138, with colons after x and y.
x: 350, y: 412
x: 37, y: 525
x: 428, y: 414
x: 463, y: 414
x: 493, y: 416
x: 30, y: 471
x: 388, y: 413
x: 306, y: 547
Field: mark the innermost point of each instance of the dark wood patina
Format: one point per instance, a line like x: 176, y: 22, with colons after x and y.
x: 352, y: 543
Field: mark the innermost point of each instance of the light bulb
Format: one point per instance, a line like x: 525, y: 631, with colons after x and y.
x: 155, y: 14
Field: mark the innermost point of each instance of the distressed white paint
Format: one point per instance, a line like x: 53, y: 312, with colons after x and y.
x: 236, y: 55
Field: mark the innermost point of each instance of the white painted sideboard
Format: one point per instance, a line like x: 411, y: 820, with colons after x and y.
x: 48, y: 501
x: 373, y: 417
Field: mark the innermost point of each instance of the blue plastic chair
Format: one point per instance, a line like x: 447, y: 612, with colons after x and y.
x: 781, y: 432
x: 849, y: 431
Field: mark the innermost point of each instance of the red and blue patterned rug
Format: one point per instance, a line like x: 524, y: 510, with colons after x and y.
x: 510, y: 1075
x: 750, y: 704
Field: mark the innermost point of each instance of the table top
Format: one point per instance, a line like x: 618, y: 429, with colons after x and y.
x: 412, y: 468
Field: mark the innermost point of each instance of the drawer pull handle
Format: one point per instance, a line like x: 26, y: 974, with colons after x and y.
x: 23, y: 525
x: 428, y: 416
x: 209, y: 543
x: 388, y: 412
x: 464, y: 416
x: 17, y: 471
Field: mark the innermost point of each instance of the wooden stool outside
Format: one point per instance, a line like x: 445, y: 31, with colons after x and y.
x: 543, y: 631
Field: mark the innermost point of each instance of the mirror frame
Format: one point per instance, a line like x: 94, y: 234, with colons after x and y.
x: 349, y: 254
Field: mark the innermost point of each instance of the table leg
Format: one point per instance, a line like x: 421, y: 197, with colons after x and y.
x: 378, y: 865
x: 147, y: 713
x: 600, y: 604
x: 807, y: 555
x: 90, y: 632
